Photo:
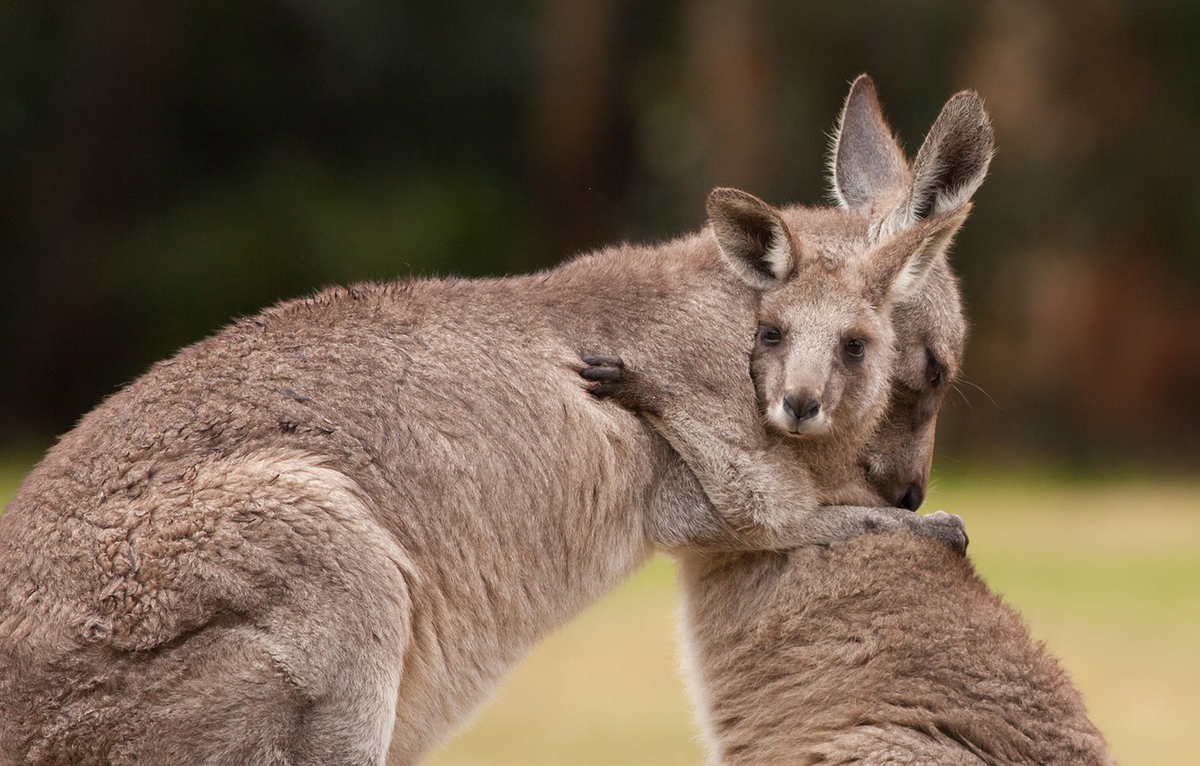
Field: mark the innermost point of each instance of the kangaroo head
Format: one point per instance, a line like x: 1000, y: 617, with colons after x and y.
x: 823, y: 352
x: 871, y: 176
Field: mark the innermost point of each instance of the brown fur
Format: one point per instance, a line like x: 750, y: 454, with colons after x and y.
x: 331, y: 528
x: 883, y: 649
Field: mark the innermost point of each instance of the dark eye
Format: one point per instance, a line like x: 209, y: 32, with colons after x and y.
x: 856, y: 348
x: 769, y: 336
x: 935, y: 373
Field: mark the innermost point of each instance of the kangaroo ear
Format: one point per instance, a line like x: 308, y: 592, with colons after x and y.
x: 902, y: 263
x: 867, y: 162
x: 952, y: 162
x: 752, y: 236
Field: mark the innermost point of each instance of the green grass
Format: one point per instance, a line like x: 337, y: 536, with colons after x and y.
x: 1106, y: 573
x: 12, y: 470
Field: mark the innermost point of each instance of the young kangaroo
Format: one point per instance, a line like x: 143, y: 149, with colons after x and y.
x: 882, y: 649
x: 323, y: 534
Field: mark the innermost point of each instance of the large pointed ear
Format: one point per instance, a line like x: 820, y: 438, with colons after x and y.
x: 752, y: 236
x: 951, y: 163
x: 867, y: 162
x: 900, y: 265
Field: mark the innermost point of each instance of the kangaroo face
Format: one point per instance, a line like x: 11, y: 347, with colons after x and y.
x: 822, y: 352
x: 870, y: 175
x: 823, y: 347
x: 930, y: 334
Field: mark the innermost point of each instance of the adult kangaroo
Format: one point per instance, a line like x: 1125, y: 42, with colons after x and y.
x: 323, y: 534
x: 882, y: 649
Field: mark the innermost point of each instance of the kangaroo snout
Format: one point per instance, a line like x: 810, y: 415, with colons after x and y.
x: 912, y: 498
x: 802, y: 407
x: 803, y: 412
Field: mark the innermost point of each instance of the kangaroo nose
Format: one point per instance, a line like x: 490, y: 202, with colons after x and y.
x: 912, y: 497
x: 802, y: 408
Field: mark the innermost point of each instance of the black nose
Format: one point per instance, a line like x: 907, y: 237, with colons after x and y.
x: 912, y: 497
x: 801, y: 409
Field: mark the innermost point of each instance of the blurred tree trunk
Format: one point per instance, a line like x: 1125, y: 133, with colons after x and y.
x: 731, y: 82
x: 1089, y: 318
x: 574, y: 150
x: 99, y: 158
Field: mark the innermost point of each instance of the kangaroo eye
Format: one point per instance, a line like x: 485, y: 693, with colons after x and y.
x: 856, y: 348
x: 935, y: 373
x: 769, y: 336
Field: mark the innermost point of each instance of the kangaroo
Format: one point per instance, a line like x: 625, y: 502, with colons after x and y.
x: 323, y: 534
x: 881, y: 649
x: 870, y: 173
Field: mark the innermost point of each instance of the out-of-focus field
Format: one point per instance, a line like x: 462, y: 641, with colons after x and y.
x: 1107, y: 574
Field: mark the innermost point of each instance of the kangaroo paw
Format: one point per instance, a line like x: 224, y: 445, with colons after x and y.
x: 843, y: 523
x: 945, y: 527
x: 609, y: 378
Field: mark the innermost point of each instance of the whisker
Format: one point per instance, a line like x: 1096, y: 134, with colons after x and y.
x: 959, y: 391
x: 978, y: 388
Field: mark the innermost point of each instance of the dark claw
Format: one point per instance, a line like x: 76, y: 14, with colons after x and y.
x: 608, y: 361
x: 609, y: 379
x: 603, y: 390
x: 601, y: 373
x: 605, y: 373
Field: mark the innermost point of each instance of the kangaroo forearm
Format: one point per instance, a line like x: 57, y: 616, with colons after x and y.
x: 760, y: 493
x: 770, y: 505
x: 830, y: 524
x: 767, y: 503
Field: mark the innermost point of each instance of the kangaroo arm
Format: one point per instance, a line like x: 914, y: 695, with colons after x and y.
x: 759, y: 492
x: 759, y: 488
x: 769, y: 503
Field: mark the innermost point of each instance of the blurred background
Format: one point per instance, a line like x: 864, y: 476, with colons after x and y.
x: 165, y: 167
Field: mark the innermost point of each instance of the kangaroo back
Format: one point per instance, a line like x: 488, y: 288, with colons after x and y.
x: 880, y: 649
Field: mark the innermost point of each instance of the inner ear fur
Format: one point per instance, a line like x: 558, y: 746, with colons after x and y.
x: 953, y: 160
x: 867, y: 163
x: 753, y: 239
